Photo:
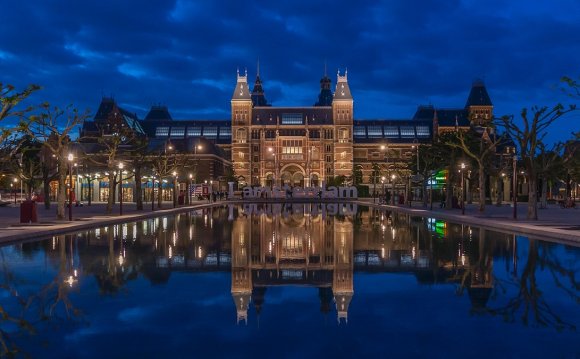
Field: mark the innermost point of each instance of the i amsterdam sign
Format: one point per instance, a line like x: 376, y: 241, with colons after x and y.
x: 286, y: 191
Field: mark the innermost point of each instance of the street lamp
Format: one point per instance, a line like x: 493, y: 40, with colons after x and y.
x: 462, y: 189
x: 13, y: 191
x: 393, y: 190
x: 515, y: 186
x: 70, y: 158
x: 152, y: 192
x: 120, y: 188
x: 271, y: 150
x: 174, y: 189
x: 189, y: 199
x: 383, y: 182
x: 195, y: 149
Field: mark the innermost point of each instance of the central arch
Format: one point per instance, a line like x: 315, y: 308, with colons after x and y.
x: 292, y: 175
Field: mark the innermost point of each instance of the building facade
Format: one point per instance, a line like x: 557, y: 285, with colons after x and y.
x: 266, y: 145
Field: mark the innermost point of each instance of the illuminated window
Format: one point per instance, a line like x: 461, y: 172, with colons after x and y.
x: 241, y: 135
x: 423, y: 131
x: 210, y: 132
x: 375, y: 131
x: 177, y: 131
x: 391, y: 131
x: 241, y: 155
x: 292, y: 119
x: 407, y: 131
x: 292, y: 146
x: 162, y: 131
x: 194, y: 131
x: 225, y: 132
x: 343, y: 155
x: 359, y: 131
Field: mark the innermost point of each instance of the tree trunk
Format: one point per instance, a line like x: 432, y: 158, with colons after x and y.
x: 46, y: 189
x: 425, y: 197
x: 544, y: 197
x: 138, y: 195
x: 532, y: 197
x: 481, y: 188
x: 112, y: 187
x: 159, y: 194
x: 449, y: 188
x: 61, y: 195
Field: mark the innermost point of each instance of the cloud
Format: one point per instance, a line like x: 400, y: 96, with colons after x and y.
x: 185, y: 53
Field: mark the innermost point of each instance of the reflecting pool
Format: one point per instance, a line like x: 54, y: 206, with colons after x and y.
x: 301, y: 280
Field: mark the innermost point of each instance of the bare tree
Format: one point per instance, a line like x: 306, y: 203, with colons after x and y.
x: 529, y: 136
x: 53, y: 127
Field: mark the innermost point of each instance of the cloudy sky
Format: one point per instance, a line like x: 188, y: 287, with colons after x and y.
x: 399, y: 54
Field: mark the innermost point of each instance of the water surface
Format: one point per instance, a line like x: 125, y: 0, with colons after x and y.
x: 290, y: 281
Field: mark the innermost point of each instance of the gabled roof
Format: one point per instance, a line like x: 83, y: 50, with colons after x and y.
x: 300, y: 115
x: 478, y: 95
x: 453, y: 117
x: 424, y: 112
x: 242, y: 91
x: 158, y: 113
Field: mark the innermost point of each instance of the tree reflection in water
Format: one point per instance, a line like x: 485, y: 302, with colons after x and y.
x: 27, y: 309
x: 530, y: 304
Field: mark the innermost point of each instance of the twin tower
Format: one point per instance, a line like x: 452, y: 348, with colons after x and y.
x: 298, y: 146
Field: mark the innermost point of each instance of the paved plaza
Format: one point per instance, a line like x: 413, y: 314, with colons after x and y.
x: 555, y: 223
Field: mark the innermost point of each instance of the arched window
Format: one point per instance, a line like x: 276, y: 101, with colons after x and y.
x: 241, y: 135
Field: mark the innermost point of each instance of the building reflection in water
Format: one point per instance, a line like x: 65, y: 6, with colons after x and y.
x: 300, y: 244
x: 315, y: 245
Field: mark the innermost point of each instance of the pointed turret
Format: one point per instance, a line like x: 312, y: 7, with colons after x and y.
x: 325, y: 96
x: 258, y: 97
x: 478, y: 95
x: 242, y: 302
x: 479, y: 106
x: 242, y: 91
x: 342, y: 302
x: 342, y: 91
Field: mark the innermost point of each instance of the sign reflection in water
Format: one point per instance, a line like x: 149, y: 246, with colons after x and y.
x: 325, y: 246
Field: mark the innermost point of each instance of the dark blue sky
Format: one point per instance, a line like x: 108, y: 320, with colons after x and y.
x: 399, y: 54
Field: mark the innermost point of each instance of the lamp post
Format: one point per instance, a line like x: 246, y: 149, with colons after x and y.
x: 195, y: 149
x: 271, y: 150
x: 70, y: 158
x: 174, y: 189
x: 120, y: 188
x: 152, y: 192
x: 383, y: 182
x: 393, y: 190
x: 13, y: 192
x: 189, y: 187
x: 462, y: 189
x: 515, y: 186
x: 77, y: 194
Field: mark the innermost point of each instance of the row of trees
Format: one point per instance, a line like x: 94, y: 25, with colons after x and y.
x: 36, y: 143
x: 487, y: 151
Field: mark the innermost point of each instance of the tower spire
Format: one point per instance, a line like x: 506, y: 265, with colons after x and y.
x: 258, y: 68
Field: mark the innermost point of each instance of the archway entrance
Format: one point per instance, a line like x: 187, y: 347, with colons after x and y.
x: 292, y: 175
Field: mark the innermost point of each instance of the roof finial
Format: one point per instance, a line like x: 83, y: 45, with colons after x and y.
x: 246, y: 72
x: 258, y: 70
x: 324, y: 67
